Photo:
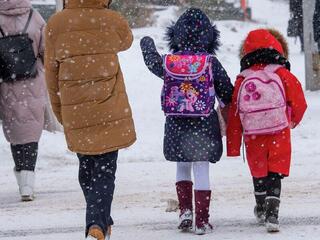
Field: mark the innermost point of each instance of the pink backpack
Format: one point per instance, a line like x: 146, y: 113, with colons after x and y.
x: 262, y: 102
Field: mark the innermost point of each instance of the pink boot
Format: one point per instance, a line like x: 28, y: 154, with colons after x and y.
x: 184, y: 192
x: 202, y: 204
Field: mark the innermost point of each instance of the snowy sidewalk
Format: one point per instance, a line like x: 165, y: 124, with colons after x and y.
x: 139, y: 206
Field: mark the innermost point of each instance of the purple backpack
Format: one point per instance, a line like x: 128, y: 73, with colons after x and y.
x: 262, y: 102
x: 188, y: 89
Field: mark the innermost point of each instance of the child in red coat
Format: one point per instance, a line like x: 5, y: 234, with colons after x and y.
x: 268, y: 152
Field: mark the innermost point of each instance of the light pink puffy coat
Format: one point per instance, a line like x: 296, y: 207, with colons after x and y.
x: 23, y: 103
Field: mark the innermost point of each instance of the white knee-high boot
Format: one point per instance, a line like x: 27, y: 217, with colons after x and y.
x: 25, y: 180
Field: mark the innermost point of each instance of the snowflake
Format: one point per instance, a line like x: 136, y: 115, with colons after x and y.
x: 200, y: 105
x: 171, y: 101
x: 202, y: 78
x: 186, y: 87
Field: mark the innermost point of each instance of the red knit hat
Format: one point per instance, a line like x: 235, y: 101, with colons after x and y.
x: 261, y: 38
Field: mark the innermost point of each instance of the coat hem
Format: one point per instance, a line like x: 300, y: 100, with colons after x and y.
x: 180, y: 161
x: 108, y: 150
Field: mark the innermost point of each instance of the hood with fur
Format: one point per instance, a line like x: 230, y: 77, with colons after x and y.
x: 193, y: 32
x: 264, y: 46
x: 277, y: 35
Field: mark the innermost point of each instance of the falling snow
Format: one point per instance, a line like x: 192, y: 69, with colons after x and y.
x: 145, y: 181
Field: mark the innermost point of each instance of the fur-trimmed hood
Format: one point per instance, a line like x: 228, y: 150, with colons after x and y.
x: 277, y: 35
x: 264, y: 46
x: 193, y: 32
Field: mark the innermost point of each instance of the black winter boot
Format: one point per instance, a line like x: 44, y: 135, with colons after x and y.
x: 260, y: 194
x: 260, y: 213
x: 272, y: 214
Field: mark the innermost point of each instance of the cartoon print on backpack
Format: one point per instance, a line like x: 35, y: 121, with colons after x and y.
x: 189, y: 78
x: 191, y: 96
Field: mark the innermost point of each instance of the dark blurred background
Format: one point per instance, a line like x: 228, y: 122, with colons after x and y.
x: 140, y: 13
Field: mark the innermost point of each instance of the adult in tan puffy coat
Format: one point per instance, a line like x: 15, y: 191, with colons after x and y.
x: 88, y: 97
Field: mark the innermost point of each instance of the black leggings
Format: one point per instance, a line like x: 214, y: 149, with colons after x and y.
x: 25, y: 156
x: 269, y: 186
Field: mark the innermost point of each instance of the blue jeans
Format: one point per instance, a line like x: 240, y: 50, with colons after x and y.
x: 96, y: 178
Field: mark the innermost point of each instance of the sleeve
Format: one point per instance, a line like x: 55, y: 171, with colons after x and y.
x: 152, y: 58
x: 124, y: 32
x: 295, y: 96
x: 234, y: 128
x: 222, y: 83
x: 41, y: 24
x: 291, y: 6
x: 52, y: 70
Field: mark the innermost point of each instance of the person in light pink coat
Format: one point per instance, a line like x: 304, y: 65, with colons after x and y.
x: 23, y: 104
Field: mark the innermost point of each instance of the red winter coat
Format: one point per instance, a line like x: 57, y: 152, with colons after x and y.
x: 267, y: 153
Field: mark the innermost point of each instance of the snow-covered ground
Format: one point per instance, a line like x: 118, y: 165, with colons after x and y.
x: 145, y: 180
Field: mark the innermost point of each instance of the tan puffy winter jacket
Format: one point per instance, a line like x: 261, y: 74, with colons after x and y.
x: 84, y: 78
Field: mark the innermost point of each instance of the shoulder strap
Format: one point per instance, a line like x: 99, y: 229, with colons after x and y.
x: 213, y: 58
x: 246, y: 73
x: 1, y: 31
x: 272, y: 68
x: 28, y: 21
x: 25, y: 27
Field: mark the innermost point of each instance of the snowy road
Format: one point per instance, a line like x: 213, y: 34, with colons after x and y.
x: 139, y: 206
x: 145, y: 181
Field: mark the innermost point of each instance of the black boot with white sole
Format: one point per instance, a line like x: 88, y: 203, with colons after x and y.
x: 272, y: 214
x: 260, y: 214
x: 260, y: 193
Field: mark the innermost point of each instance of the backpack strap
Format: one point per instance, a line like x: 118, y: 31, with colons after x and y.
x: 272, y: 68
x: 28, y: 21
x: 246, y: 73
x: 25, y: 27
x: 211, y: 60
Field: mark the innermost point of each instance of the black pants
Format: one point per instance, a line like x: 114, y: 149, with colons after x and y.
x: 25, y: 156
x: 96, y: 178
x: 269, y: 186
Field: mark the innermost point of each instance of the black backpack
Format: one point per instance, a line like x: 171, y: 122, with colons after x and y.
x: 17, y: 57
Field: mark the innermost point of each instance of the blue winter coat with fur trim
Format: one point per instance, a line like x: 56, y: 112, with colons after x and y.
x: 192, y: 139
